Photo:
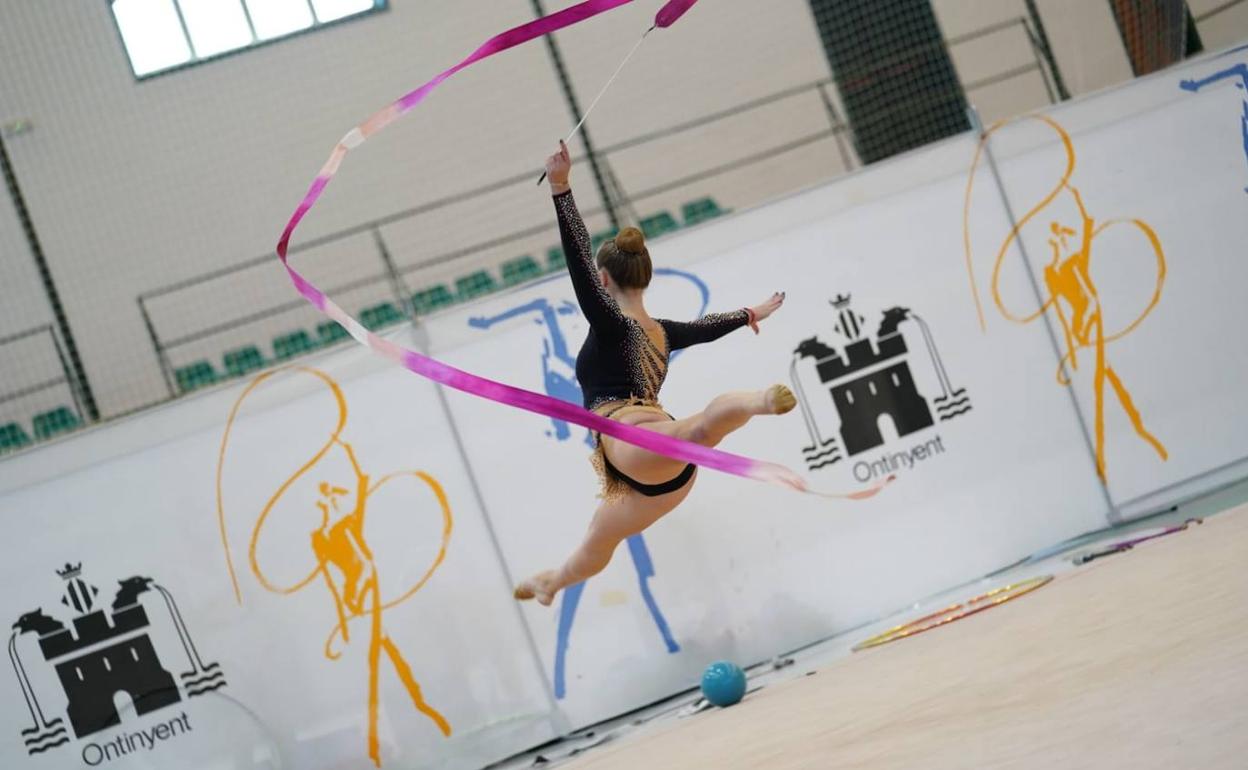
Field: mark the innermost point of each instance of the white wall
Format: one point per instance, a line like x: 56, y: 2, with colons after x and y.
x: 1084, y: 40
x: 134, y: 185
x: 197, y: 169
x: 1221, y: 24
x: 742, y: 570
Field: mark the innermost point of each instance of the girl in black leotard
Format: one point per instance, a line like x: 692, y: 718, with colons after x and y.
x: 620, y: 368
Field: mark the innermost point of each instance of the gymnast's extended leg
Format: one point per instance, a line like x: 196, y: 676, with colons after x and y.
x: 725, y: 414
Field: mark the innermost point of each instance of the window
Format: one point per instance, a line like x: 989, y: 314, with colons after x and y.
x: 163, y: 34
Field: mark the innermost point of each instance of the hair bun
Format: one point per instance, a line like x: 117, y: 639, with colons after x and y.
x: 631, y: 241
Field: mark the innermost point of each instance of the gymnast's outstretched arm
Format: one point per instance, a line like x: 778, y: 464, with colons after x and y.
x: 711, y: 327
x: 708, y: 328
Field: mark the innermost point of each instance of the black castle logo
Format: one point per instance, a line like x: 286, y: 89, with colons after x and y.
x: 871, y: 379
x: 106, y: 653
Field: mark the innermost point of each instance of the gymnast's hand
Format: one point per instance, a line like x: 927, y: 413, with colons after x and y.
x: 772, y: 304
x: 558, y: 166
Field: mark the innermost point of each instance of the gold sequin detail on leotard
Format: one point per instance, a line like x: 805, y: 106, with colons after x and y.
x: 612, y: 487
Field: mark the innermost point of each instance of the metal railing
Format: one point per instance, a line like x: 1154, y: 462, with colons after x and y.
x: 385, y: 273
x: 380, y: 277
x: 1218, y: 9
x: 36, y: 354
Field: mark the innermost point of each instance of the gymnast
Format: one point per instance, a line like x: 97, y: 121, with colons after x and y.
x: 621, y: 367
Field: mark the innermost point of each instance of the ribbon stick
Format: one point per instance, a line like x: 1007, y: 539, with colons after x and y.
x: 594, y: 103
x: 451, y: 377
x: 665, y: 18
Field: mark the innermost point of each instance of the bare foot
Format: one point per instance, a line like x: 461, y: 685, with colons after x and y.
x: 779, y: 399
x: 539, y: 587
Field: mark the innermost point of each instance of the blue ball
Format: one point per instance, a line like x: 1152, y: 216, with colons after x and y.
x: 723, y: 683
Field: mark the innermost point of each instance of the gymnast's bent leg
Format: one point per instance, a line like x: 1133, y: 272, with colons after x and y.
x: 722, y: 416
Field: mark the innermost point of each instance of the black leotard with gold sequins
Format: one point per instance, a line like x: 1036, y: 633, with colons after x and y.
x: 618, y: 360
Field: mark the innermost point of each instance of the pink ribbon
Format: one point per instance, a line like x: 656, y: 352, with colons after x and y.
x: 449, y: 376
x: 669, y: 13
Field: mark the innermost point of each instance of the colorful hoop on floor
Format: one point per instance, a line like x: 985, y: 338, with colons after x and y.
x: 954, y: 612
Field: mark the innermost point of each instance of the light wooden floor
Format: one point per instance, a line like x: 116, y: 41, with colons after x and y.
x: 1138, y: 660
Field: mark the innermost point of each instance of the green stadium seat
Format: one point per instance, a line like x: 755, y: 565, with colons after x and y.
x: 598, y: 239
x: 293, y: 344
x: 659, y: 224
x: 701, y: 210
x: 555, y: 261
x: 520, y: 270
x: 243, y: 361
x: 12, y: 437
x: 431, y: 299
x: 59, y: 420
x: 196, y: 375
x: 474, y: 285
x: 380, y: 316
x: 329, y: 332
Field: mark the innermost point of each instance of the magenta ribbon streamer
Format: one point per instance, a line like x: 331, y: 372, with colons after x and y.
x: 449, y: 376
x: 669, y: 13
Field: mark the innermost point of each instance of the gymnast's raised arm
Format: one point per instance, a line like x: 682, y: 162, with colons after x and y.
x: 602, y: 312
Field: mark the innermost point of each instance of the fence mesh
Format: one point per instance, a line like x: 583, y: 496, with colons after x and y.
x: 744, y: 108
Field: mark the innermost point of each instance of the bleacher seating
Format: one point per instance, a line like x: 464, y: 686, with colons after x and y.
x: 55, y: 421
x: 244, y: 360
x: 555, y: 261
x: 659, y: 224
x: 701, y: 210
x: 380, y: 316
x: 329, y: 332
x: 433, y: 298
x: 196, y: 375
x: 12, y: 438
x: 293, y: 344
x: 475, y: 284
x: 520, y: 270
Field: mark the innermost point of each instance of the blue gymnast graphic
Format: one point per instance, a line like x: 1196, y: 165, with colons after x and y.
x: 557, y: 384
x: 564, y: 386
x: 1237, y: 71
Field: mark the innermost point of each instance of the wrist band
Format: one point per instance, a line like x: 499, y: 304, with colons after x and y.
x: 751, y: 318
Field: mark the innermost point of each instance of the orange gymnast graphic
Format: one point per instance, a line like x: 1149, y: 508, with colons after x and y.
x: 315, y: 519
x: 1087, y: 318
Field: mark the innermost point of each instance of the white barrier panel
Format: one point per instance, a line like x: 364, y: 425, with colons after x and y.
x: 1150, y: 236
x: 372, y: 579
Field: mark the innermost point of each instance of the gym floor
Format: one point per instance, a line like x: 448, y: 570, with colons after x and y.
x: 1138, y: 659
